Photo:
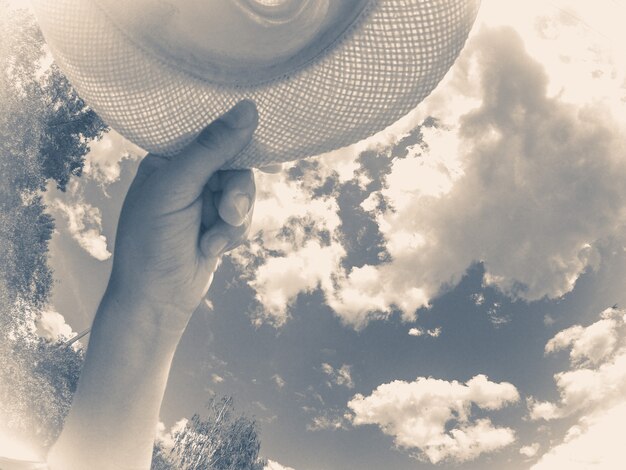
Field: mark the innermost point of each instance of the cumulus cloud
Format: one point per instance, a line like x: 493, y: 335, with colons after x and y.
x: 271, y: 465
x: 597, y: 375
x: 103, y: 162
x: 593, y: 391
x: 530, y: 450
x: 52, y: 326
x: 591, y: 344
x: 433, y: 333
x: 167, y: 437
x: 596, y: 443
x: 84, y: 221
x: 528, y: 186
x: 341, y: 376
x: 280, y: 279
x: 293, y: 248
x: 434, y: 416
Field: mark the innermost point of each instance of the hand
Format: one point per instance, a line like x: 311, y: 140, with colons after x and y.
x: 179, y: 216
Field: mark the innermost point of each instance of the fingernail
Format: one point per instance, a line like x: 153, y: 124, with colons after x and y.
x: 242, y: 115
x: 242, y: 204
x: 215, y: 245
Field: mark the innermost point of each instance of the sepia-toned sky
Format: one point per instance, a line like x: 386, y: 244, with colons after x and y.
x: 445, y: 294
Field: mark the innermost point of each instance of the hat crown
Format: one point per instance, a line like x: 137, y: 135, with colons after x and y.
x: 234, y: 42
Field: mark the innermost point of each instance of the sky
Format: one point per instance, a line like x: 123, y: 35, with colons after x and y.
x: 446, y: 294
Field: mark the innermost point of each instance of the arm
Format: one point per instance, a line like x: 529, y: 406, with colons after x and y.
x: 179, y: 216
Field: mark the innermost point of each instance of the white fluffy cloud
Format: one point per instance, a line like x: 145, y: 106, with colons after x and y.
x: 271, y: 465
x: 52, y: 326
x: 434, y: 416
x: 434, y: 333
x: 294, y: 243
x: 593, y: 390
x: 279, y: 281
x: 528, y: 185
x: 102, y: 163
x: 167, y: 437
x: 84, y: 221
x: 530, y: 450
x: 597, y: 376
x: 596, y: 443
x: 591, y: 344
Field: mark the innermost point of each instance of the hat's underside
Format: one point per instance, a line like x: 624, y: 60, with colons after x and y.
x: 390, y: 59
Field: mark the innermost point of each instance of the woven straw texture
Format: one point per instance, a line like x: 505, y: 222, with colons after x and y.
x: 376, y: 73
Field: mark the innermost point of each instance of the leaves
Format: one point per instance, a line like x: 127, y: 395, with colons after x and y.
x: 219, y: 441
x: 45, y: 130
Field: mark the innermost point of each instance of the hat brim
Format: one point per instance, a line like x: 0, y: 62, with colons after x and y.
x: 381, y: 69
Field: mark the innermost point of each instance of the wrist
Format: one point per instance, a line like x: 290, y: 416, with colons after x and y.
x: 130, y: 312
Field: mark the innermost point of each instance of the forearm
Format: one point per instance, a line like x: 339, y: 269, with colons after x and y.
x: 115, y: 410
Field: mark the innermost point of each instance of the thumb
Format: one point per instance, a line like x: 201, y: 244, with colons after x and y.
x: 220, y: 142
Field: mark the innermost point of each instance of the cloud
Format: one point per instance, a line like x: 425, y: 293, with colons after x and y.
x: 271, y: 465
x: 596, y: 443
x: 52, y: 326
x: 293, y: 249
x: 84, y: 221
x: 341, y: 376
x: 281, y: 279
x: 433, y: 333
x: 167, y: 438
x: 330, y: 420
x: 530, y: 450
x: 593, y: 391
x: 279, y: 381
x: 589, y: 345
x: 103, y: 162
x: 524, y: 183
x: 597, y: 375
x: 434, y: 416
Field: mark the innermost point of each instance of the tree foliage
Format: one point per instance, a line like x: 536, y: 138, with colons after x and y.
x: 219, y: 441
x: 45, y: 130
x: 38, y: 380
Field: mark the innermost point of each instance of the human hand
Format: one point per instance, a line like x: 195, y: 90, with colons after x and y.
x: 179, y: 216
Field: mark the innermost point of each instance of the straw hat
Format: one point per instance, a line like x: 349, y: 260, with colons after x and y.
x: 324, y: 73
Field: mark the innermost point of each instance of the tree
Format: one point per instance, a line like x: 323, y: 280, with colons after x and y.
x: 45, y: 130
x: 219, y: 441
x: 69, y: 126
x: 38, y: 380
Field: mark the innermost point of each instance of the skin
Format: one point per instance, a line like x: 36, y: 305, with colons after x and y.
x: 179, y: 216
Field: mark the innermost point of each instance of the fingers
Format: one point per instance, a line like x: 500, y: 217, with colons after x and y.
x: 238, y: 192
x: 209, y: 208
x: 272, y: 169
x: 220, y: 142
x: 222, y: 237
x: 227, y: 205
